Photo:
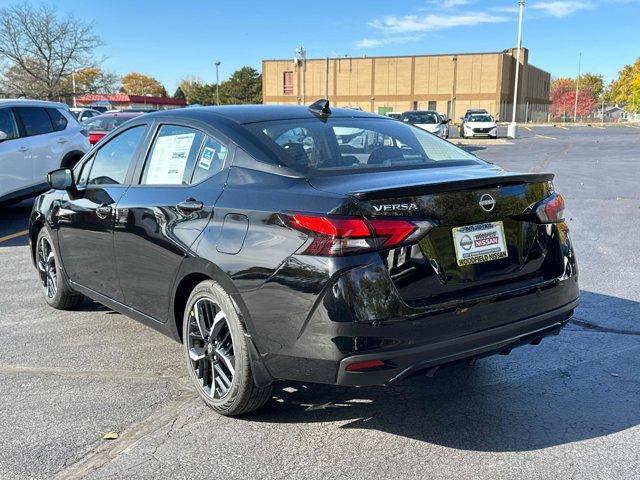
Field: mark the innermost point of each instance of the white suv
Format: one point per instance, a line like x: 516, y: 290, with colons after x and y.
x: 35, y: 138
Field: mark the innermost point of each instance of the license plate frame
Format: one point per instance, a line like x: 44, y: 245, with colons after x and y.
x: 479, y: 243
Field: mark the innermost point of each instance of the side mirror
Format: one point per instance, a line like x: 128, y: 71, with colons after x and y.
x: 61, y: 179
x: 3, y: 136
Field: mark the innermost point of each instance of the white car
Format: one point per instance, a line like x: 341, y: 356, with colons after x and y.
x: 427, y: 120
x: 35, y: 138
x: 480, y: 125
x: 82, y: 113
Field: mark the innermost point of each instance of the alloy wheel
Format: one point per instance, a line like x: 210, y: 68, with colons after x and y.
x: 47, y: 268
x: 210, y: 344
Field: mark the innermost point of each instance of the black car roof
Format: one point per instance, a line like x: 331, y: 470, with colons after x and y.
x: 257, y: 113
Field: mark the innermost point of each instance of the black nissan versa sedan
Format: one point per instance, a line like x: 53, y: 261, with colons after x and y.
x: 305, y: 243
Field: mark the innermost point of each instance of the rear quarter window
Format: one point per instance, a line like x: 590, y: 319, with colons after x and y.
x: 57, y: 119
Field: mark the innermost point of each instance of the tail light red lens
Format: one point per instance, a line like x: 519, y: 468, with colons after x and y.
x: 335, y: 236
x: 364, y: 365
x: 551, y: 209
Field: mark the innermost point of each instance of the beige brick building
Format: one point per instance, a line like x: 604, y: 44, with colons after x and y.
x: 449, y: 83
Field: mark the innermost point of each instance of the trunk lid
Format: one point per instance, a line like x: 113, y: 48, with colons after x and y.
x: 430, y: 271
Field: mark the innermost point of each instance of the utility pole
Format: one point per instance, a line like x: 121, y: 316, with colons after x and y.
x: 301, y: 56
x: 512, y: 131
x: 73, y: 86
x: 217, y: 64
x: 575, y: 104
x: 326, y: 79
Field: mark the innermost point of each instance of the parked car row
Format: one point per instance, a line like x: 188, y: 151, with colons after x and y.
x: 474, y: 123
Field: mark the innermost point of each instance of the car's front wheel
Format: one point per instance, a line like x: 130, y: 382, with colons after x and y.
x: 55, y: 285
x: 216, y: 352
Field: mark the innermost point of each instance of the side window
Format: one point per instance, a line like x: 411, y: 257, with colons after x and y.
x: 34, y: 120
x: 111, y: 161
x: 211, y: 159
x: 172, y: 156
x: 58, y: 120
x: 8, y: 123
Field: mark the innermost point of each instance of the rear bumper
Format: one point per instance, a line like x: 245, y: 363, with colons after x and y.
x: 401, y: 363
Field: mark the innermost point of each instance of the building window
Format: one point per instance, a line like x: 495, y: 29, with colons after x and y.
x: 287, y: 78
x: 432, y: 105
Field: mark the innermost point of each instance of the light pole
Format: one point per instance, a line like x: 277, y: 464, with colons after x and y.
x: 301, y: 55
x: 575, y: 104
x: 73, y: 86
x: 512, y: 131
x: 217, y: 64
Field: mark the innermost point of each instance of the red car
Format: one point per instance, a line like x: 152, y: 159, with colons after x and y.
x: 100, y: 125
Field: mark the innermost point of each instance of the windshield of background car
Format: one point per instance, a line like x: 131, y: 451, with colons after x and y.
x: 316, y: 147
x: 480, y: 118
x: 420, y: 118
x: 104, y: 124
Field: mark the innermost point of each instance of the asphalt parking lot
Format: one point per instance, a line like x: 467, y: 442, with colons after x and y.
x: 568, y: 408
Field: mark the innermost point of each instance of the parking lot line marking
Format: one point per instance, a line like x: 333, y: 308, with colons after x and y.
x: 11, y: 236
x: 560, y: 126
x: 526, y: 127
x: 544, y: 136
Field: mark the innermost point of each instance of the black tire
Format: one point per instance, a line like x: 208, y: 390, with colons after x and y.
x: 208, y: 367
x: 55, y: 284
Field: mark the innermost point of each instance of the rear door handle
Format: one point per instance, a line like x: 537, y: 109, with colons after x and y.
x: 190, y: 205
x: 23, y: 149
x: 62, y: 140
x: 103, y: 211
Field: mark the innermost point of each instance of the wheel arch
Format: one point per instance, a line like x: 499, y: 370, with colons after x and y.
x: 194, y: 271
x: 191, y: 273
x: 36, y: 224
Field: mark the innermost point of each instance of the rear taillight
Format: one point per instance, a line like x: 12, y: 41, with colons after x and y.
x: 334, y: 235
x: 551, y: 209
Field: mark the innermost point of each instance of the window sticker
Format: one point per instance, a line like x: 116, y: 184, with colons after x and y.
x: 169, y: 159
x: 206, y: 158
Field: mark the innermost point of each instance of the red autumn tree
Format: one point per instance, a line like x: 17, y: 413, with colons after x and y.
x: 563, y: 103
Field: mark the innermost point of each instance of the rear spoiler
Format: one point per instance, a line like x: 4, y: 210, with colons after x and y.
x: 467, y: 184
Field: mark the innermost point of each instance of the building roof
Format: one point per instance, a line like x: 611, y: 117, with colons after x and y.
x: 124, y: 98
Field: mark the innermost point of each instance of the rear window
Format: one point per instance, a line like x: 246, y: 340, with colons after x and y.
x: 34, y: 120
x: 480, y: 118
x: 421, y: 117
x: 104, y: 123
x: 317, y: 147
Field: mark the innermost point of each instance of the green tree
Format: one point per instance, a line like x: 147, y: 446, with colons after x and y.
x: 138, y: 84
x: 625, y: 90
x: 179, y: 94
x: 244, y: 86
x: 592, y: 82
x: 90, y: 80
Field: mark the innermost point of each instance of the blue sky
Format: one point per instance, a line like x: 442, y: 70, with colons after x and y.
x: 170, y: 40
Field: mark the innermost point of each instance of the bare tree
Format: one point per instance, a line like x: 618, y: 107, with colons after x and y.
x: 40, y: 49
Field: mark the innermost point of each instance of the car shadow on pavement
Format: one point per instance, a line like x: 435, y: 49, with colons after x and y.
x: 580, y: 385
